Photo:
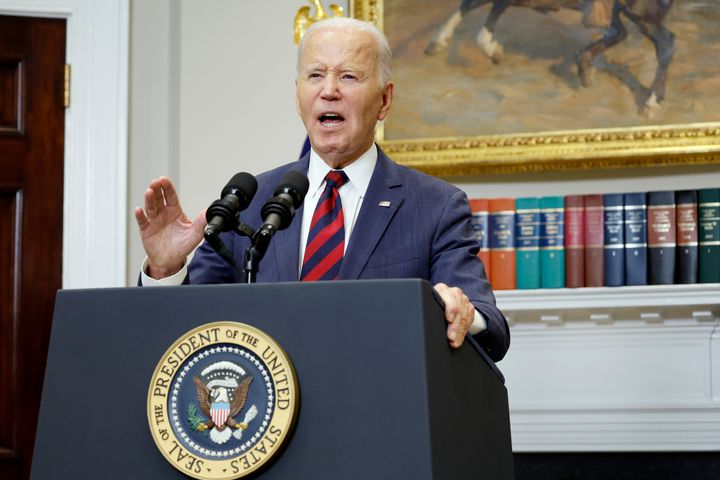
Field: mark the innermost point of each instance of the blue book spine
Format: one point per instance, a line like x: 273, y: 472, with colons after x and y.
x: 635, y: 238
x: 481, y: 227
x: 527, y: 242
x: 552, y: 242
x: 614, y: 229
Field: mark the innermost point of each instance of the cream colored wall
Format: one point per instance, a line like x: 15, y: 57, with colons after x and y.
x: 153, y: 109
x: 237, y: 95
x: 212, y: 93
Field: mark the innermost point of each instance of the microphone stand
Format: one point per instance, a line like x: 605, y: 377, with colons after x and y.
x: 252, y: 254
x: 256, y: 252
x: 250, y: 267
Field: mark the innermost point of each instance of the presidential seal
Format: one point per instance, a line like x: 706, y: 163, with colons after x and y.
x: 222, y: 401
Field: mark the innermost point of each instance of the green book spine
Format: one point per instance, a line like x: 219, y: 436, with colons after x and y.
x: 552, y: 242
x: 709, y: 235
x: 527, y: 242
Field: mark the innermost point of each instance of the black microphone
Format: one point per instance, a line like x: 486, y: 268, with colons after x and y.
x: 278, y: 211
x: 234, y: 198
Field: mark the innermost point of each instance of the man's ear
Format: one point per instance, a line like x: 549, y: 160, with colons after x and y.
x: 387, y: 97
x: 297, y: 100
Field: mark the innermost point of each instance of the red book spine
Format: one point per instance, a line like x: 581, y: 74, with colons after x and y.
x: 574, y: 242
x: 480, y: 212
x: 686, y: 223
x: 502, y: 243
x: 594, y: 241
x: 662, y: 237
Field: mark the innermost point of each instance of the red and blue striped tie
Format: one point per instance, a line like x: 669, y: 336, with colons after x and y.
x: 326, y: 240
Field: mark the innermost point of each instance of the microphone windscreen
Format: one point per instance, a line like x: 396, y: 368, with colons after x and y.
x: 296, y: 183
x: 244, y: 186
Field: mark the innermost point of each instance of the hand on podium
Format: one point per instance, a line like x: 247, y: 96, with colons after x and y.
x: 168, y: 235
x: 459, y: 313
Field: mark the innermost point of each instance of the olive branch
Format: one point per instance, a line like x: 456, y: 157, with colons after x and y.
x: 195, y: 420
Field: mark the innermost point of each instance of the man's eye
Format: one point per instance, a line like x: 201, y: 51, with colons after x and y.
x: 349, y: 76
x: 315, y: 75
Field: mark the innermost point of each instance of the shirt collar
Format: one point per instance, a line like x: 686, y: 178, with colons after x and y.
x: 359, y: 172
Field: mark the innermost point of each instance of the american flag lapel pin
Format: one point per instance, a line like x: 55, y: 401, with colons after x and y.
x: 384, y: 203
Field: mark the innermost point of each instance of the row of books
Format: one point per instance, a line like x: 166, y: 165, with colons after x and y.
x: 600, y: 240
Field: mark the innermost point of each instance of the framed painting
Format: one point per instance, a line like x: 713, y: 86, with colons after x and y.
x: 485, y: 86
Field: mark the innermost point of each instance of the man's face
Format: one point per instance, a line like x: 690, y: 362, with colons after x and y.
x: 338, y: 94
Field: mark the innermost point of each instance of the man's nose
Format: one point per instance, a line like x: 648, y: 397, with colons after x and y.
x: 330, y: 88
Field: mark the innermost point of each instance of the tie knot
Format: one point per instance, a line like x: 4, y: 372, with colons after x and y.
x: 336, y: 178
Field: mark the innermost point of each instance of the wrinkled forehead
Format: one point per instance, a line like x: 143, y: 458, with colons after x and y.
x: 339, y: 48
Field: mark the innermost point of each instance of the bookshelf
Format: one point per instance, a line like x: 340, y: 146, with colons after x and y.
x: 663, y: 300
x: 614, y: 369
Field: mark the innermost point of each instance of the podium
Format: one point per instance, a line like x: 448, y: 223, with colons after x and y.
x: 382, y: 395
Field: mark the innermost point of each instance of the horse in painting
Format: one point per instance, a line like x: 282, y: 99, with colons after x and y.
x: 647, y: 15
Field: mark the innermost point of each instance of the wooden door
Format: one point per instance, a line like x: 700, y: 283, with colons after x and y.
x: 32, y: 60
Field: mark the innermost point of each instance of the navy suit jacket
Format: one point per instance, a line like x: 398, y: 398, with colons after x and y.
x: 425, y: 232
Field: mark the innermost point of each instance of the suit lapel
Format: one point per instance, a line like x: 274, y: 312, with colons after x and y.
x: 287, y: 242
x: 287, y: 255
x: 382, y: 200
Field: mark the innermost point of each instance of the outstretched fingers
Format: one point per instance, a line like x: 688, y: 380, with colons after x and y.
x: 141, y: 219
x: 169, y: 193
x: 158, y: 198
x: 168, y: 236
x: 151, y: 206
x: 161, y: 206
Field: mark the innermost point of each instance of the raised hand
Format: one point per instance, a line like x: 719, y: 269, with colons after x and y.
x: 168, y: 236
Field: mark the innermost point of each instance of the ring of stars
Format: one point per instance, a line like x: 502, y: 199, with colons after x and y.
x: 177, y: 424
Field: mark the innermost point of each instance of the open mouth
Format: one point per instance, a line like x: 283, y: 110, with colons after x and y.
x: 331, y: 119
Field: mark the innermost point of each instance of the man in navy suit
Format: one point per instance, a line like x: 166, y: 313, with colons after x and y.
x: 398, y: 223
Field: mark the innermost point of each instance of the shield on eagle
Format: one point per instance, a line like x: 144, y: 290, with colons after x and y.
x: 219, y: 412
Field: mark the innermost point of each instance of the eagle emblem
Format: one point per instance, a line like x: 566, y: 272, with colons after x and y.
x: 221, y: 397
x: 213, y: 406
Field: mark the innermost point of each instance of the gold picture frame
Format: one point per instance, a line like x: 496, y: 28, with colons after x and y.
x: 645, y: 146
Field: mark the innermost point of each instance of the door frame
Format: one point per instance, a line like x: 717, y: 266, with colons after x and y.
x: 95, y: 214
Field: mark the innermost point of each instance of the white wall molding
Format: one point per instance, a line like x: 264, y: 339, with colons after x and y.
x: 614, y: 369
x: 617, y: 430
x: 661, y: 296
x: 95, y: 183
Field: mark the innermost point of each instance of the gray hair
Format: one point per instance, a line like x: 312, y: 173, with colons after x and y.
x: 384, y: 64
